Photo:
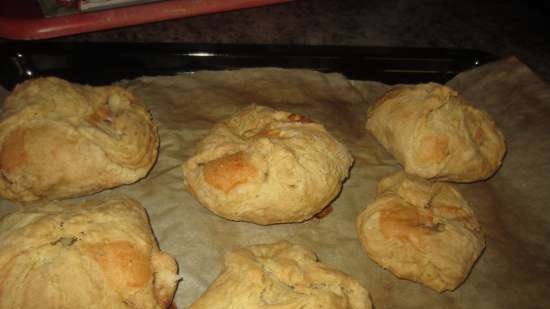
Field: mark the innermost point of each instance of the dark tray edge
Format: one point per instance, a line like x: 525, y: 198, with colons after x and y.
x: 103, y: 63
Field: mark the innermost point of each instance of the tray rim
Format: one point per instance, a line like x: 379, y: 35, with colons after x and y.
x: 16, y: 58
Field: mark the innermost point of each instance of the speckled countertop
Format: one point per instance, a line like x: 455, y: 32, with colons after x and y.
x: 503, y: 28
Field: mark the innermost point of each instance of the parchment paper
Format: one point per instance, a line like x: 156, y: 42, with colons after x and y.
x: 513, y: 271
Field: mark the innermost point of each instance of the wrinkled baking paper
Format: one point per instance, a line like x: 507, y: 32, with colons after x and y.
x: 513, y: 271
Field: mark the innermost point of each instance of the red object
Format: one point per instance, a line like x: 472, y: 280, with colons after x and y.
x: 66, y: 3
x: 23, y: 19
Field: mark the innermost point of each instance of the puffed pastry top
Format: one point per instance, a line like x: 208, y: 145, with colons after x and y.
x: 60, y: 140
x: 94, y: 255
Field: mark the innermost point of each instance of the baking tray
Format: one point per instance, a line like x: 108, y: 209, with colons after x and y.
x: 104, y: 63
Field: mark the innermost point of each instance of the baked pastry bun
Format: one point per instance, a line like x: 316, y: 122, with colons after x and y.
x: 436, y: 134
x: 97, y: 254
x: 421, y: 231
x: 60, y: 140
x: 267, y: 166
x: 281, y: 275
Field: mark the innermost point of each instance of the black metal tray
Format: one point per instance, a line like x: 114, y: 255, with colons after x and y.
x: 103, y: 63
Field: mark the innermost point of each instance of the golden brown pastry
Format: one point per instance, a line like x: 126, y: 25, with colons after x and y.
x: 267, y: 166
x: 436, y: 134
x: 60, y: 140
x: 422, y: 231
x: 95, y: 255
x: 281, y: 276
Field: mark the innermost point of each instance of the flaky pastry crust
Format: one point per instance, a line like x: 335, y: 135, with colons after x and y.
x: 281, y: 276
x: 95, y: 255
x: 60, y: 140
x: 421, y: 231
x: 267, y: 166
x: 436, y: 134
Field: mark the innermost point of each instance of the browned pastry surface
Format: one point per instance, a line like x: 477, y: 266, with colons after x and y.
x: 60, y: 140
x: 435, y: 133
x: 267, y: 166
x: 281, y: 276
x: 96, y: 254
x: 422, y: 231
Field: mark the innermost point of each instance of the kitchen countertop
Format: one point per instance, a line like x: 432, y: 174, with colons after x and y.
x: 513, y: 28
